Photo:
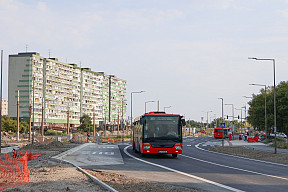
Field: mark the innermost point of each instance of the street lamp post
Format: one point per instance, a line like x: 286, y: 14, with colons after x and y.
x: 148, y: 102
x: 265, y: 106
x: 222, y: 121
x: 207, y: 117
x: 166, y: 107
x: 275, y: 129
x: 132, y: 109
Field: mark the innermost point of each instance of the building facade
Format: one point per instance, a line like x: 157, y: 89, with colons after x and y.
x: 60, y: 93
x: 4, y: 107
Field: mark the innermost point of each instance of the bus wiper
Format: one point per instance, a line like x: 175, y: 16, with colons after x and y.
x: 164, y: 138
x: 150, y: 139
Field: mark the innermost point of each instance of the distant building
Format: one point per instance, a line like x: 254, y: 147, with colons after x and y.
x: 64, y: 89
x: 4, y: 107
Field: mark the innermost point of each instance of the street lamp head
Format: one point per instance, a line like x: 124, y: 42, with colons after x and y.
x: 252, y: 58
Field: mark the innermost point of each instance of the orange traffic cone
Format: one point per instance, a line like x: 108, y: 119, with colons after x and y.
x: 108, y: 141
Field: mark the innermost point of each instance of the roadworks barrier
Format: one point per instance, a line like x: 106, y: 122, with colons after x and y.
x: 14, y: 169
x: 253, y: 139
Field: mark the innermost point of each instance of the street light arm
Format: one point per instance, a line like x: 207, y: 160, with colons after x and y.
x: 257, y: 84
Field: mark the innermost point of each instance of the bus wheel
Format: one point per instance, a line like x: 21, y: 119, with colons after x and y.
x: 174, y: 155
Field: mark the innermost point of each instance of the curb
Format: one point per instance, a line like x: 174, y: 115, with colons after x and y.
x: 59, y: 158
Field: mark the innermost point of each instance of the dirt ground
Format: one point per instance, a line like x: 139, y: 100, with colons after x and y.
x: 254, y: 154
x: 127, y: 184
x: 49, y: 176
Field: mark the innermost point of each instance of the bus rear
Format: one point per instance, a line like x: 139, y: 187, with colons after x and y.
x: 158, y: 133
x: 219, y: 131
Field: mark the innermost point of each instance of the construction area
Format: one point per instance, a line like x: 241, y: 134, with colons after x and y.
x: 31, y: 167
x: 43, y: 173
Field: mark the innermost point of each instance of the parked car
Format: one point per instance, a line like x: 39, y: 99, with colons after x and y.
x: 282, y: 135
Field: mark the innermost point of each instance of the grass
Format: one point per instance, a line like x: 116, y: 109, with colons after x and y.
x: 282, y: 143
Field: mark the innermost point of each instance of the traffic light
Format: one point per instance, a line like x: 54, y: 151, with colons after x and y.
x: 238, y: 117
x: 227, y: 116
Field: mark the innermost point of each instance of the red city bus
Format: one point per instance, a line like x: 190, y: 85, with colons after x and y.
x: 218, y: 132
x: 158, y: 133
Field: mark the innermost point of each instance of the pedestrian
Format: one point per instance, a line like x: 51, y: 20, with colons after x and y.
x: 88, y: 135
x: 14, y: 153
x: 245, y: 136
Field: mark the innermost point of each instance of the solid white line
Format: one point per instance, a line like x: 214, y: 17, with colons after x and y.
x: 197, y: 146
x: 182, y: 173
x: 239, y: 169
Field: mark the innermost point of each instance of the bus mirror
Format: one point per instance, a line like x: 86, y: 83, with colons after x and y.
x: 141, y: 121
x: 183, y: 122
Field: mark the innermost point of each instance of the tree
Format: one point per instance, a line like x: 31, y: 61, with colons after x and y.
x: 85, y: 123
x: 10, y: 125
x: 256, y: 113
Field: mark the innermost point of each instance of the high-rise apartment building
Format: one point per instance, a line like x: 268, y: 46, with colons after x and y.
x: 4, y: 107
x: 58, y: 91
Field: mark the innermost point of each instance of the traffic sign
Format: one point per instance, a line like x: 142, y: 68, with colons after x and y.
x: 222, y: 125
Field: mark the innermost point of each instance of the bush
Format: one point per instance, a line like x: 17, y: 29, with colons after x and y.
x: 52, y: 133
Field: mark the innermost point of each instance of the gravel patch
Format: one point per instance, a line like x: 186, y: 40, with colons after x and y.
x: 128, y: 184
x: 253, y: 154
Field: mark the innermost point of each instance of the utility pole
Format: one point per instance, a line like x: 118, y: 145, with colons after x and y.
x: 94, y: 129
x: 122, y: 124
x: 42, y: 122
x: 68, y: 123
x: 105, y: 125
x: 33, y: 110
x: 18, y: 116
x: 158, y: 105
x: 30, y: 122
x: 1, y: 99
x: 118, y: 124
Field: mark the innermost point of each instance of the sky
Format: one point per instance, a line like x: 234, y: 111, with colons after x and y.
x: 185, y: 54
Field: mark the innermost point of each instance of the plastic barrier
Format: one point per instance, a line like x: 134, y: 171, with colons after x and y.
x: 14, y: 169
x: 253, y: 140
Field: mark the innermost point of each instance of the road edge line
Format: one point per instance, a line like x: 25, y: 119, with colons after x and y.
x: 268, y: 162
x: 182, y: 173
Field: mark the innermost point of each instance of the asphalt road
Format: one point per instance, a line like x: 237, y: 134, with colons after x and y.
x: 195, y: 168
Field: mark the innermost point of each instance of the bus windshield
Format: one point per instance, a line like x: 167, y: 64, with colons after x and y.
x: 162, y: 128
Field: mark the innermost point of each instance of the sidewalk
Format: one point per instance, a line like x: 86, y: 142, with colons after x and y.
x: 257, y: 146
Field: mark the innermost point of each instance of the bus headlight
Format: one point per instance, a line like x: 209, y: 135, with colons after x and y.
x: 146, y: 147
x: 178, y: 147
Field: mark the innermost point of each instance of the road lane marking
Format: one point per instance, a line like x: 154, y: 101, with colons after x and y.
x: 182, y: 173
x: 94, y: 153
x: 197, y: 146
x: 239, y: 169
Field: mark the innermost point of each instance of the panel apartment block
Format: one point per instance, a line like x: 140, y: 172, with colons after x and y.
x: 62, y: 89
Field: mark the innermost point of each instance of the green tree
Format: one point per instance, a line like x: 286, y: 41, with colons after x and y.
x: 9, y: 124
x: 256, y: 113
x: 85, y: 123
